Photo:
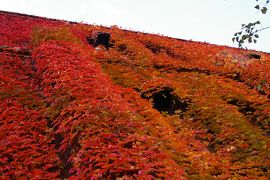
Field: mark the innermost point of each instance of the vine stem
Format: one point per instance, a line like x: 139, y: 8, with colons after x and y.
x: 263, y: 29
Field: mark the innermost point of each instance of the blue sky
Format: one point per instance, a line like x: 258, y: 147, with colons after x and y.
x: 213, y: 21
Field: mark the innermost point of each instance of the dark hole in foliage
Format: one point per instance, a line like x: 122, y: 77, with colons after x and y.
x: 99, y: 38
x: 128, y: 145
x: 255, y: 56
x: 164, y: 101
x: 247, y: 108
x: 237, y: 77
x: 10, y: 158
x: 214, y: 145
x: 64, y: 155
x: 15, y: 50
x: 122, y: 48
x: 156, y: 66
x: 265, y: 168
x: 243, y: 107
x: 154, y: 48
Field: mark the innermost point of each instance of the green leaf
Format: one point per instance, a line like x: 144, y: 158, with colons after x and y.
x: 244, y: 37
x: 264, y: 10
x: 256, y: 36
x: 233, y: 39
x: 257, y: 7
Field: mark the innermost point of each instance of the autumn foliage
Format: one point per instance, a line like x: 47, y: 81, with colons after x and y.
x: 149, y: 107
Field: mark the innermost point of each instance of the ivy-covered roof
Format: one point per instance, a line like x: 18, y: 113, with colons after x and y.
x: 143, y: 107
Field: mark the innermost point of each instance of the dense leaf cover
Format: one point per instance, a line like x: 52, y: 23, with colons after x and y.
x: 150, y: 107
x: 26, y: 148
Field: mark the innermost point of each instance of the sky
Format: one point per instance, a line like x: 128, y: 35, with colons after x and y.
x: 213, y: 21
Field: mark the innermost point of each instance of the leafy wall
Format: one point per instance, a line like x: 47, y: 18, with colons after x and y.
x: 150, y: 107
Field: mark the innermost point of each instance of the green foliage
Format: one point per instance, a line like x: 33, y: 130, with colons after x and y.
x: 43, y: 34
x: 249, y: 32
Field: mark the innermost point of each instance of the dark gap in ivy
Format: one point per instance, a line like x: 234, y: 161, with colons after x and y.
x: 265, y: 168
x: 214, y: 144
x: 99, y: 38
x: 207, y: 132
x: 166, y: 102
x: 128, y: 145
x: 59, y: 138
x: 72, y: 147
x: 124, y: 173
x: 65, y: 155
x: 254, y: 56
x: 158, y: 67
x: 154, y: 48
x: 137, y: 89
x: 157, y: 49
x: 243, y: 106
x: 236, y: 77
x: 18, y: 51
x: 197, y: 70
x: 122, y: 48
x: 248, y: 109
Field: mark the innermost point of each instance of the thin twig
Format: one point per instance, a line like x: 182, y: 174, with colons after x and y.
x: 263, y: 29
